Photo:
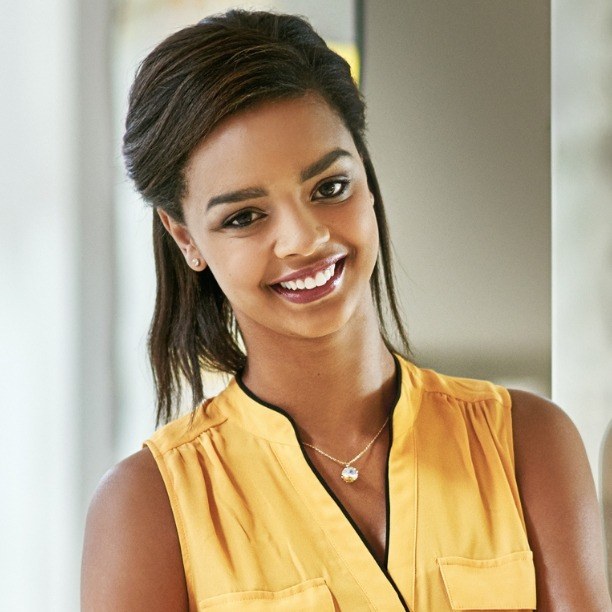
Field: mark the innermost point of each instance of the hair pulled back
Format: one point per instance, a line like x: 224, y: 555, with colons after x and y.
x: 182, y: 90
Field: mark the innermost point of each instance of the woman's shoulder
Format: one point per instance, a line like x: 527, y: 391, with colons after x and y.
x: 188, y: 427
x: 546, y: 440
x: 560, y: 506
x: 131, y: 555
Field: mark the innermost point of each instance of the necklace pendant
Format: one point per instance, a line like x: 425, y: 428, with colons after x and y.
x: 349, y: 474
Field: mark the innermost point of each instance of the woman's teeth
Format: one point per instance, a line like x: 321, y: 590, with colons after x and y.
x: 310, y: 282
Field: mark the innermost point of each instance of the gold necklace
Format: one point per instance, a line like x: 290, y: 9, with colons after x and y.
x: 350, y: 473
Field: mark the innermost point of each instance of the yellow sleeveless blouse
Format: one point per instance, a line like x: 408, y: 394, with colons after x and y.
x: 260, y: 531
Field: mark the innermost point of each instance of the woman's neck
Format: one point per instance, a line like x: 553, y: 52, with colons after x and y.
x: 338, y: 389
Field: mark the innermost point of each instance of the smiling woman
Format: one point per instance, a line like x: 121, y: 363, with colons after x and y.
x: 332, y: 473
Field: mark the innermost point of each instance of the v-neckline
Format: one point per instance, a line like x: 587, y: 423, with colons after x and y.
x: 379, y: 581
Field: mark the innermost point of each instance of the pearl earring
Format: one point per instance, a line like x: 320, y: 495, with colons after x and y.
x: 195, y: 262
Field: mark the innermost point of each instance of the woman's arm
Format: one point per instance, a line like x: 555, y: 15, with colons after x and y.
x: 131, y: 556
x: 560, y: 506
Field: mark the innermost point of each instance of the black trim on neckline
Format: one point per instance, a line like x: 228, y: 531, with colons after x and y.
x: 388, y: 497
x: 349, y: 518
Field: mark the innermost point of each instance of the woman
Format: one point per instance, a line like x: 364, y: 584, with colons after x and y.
x: 331, y: 474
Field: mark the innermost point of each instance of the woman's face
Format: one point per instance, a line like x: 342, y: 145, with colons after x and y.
x: 278, y: 207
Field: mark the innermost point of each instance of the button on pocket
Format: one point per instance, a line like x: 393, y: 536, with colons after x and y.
x: 310, y: 595
x: 504, y: 583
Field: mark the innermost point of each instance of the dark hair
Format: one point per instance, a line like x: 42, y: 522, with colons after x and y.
x: 182, y: 90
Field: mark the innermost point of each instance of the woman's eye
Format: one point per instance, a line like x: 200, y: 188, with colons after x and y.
x: 242, y: 219
x: 331, y: 189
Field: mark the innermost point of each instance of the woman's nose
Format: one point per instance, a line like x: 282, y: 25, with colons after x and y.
x: 299, y: 232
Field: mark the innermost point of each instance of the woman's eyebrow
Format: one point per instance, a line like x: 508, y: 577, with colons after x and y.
x: 236, y: 196
x: 322, y: 164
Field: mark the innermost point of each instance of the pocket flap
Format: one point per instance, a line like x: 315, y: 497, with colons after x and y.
x: 504, y: 583
x: 310, y: 595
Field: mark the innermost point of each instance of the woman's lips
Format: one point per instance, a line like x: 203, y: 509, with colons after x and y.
x: 300, y: 290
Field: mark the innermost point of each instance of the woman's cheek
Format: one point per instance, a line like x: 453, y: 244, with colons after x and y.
x: 366, y: 226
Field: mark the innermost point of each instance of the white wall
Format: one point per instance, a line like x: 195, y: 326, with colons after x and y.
x: 38, y: 437
x: 57, y: 293
x: 582, y: 219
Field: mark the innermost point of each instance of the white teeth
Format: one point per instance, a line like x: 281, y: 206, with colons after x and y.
x: 309, y: 282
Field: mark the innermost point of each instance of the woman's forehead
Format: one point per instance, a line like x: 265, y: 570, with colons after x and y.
x: 282, y: 136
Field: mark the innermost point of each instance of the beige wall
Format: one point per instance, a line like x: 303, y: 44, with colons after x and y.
x: 459, y: 113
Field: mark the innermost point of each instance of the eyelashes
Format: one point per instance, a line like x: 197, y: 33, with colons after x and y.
x: 244, y: 218
x: 329, y: 189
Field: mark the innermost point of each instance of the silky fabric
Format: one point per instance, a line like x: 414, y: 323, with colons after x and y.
x: 260, y: 530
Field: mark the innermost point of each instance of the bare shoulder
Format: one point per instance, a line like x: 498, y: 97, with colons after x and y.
x: 560, y: 505
x: 131, y: 554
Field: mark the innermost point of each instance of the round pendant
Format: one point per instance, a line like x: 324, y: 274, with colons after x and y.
x: 349, y: 474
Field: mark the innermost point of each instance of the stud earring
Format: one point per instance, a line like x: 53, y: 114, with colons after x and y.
x: 195, y: 262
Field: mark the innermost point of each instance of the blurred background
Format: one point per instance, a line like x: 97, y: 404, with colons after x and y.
x: 490, y: 126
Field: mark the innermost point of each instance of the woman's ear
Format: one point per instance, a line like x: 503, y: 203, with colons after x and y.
x: 182, y: 237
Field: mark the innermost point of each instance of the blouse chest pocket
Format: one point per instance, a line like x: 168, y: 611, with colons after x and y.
x: 310, y: 595
x: 504, y: 583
